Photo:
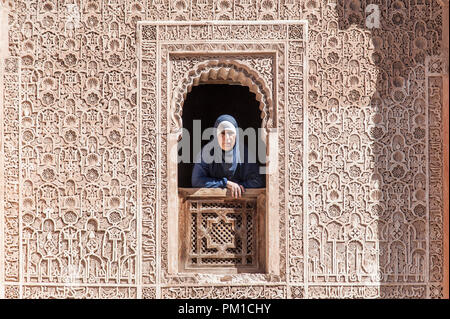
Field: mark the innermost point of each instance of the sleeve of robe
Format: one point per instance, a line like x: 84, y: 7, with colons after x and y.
x: 249, y: 174
x: 202, y: 178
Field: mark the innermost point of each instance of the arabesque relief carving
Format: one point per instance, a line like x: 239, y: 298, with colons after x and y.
x: 228, y: 70
x: 86, y: 126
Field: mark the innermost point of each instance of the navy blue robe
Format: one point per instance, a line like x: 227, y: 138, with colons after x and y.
x: 216, y: 174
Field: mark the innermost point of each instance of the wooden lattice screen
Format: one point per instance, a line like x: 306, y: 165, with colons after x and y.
x: 219, y: 233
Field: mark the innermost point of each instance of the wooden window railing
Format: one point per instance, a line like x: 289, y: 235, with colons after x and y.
x: 219, y: 233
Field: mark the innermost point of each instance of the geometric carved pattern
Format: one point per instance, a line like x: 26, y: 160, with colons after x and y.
x: 435, y: 152
x: 76, y: 223
x: 225, y: 292
x: 221, y: 234
x: 368, y: 167
x: 10, y: 136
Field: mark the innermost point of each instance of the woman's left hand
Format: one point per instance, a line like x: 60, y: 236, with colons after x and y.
x: 236, y: 189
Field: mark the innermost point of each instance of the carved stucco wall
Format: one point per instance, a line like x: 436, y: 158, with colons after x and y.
x: 370, y: 223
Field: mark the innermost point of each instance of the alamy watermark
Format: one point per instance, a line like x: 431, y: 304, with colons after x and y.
x: 73, y: 17
x: 373, y: 17
x: 254, y: 151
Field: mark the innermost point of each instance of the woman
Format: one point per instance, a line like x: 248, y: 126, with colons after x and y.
x: 221, y: 164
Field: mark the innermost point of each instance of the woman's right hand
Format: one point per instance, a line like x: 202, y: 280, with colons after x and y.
x: 235, y: 189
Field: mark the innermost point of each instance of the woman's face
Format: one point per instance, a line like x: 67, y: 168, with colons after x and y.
x: 227, y: 140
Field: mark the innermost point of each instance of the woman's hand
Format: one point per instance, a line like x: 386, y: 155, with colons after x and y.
x: 235, y: 189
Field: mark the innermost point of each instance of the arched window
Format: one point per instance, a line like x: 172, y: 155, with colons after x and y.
x: 219, y: 233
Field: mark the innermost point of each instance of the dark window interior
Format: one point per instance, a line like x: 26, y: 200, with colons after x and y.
x: 206, y: 103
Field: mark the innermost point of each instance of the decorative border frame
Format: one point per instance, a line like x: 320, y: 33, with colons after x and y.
x: 156, y: 41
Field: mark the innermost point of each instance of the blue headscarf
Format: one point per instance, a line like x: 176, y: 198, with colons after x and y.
x: 230, y: 169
